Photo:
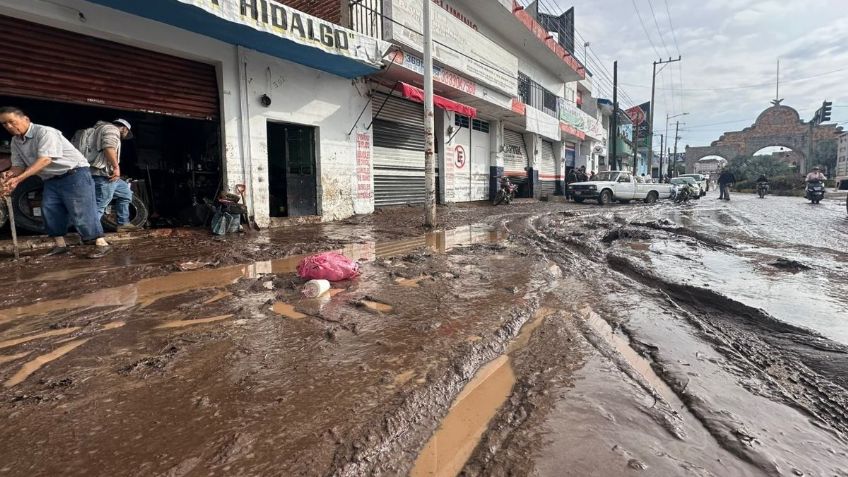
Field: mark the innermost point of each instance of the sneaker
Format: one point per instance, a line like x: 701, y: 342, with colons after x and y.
x: 100, y: 251
x: 57, y: 251
x: 126, y: 228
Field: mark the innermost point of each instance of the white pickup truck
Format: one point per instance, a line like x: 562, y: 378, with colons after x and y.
x: 618, y: 186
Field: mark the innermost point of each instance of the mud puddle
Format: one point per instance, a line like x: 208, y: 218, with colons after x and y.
x: 815, y: 299
x: 150, y: 290
x: 449, y: 448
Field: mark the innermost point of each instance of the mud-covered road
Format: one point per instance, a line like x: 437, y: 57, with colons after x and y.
x: 538, y: 339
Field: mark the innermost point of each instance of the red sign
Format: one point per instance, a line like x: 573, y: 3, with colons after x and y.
x: 459, y: 159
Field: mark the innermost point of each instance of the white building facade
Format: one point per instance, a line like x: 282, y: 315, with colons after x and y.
x: 220, y: 93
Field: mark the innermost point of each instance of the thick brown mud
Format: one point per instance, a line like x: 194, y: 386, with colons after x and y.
x: 549, y: 339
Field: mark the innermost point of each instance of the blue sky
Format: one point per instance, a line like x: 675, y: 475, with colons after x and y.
x: 729, y: 49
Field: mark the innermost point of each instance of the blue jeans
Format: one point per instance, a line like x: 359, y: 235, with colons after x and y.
x: 69, y: 200
x: 119, y: 191
x: 725, y: 191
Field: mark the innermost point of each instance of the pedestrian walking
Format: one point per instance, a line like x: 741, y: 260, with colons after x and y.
x: 68, y: 197
x: 725, y: 181
x: 570, y: 178
x: 101, y: 146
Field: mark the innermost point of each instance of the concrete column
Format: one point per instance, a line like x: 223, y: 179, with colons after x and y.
x: 496, y: 156
x: 534, y: 150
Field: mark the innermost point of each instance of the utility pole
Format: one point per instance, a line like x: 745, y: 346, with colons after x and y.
x: 635, y: 148
x: 662, y: 144
x: 676, y: 137
x: 613, y: 132
x: 651, y: 109
x: 429, y: 133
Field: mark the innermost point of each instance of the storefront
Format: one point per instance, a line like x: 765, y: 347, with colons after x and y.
x: 516, y: 160
x: 398, y: 151
x: 70, y: 81
x: 218, y: 94
x: 548, y: 174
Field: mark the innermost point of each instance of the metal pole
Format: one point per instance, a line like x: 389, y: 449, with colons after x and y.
x: 12, y: 225
x: 676, y: 128
x: 429, y: 133
x: 635, y: 147
x: 613, y: 150
x: 662, y: 145
x: 651, y: 115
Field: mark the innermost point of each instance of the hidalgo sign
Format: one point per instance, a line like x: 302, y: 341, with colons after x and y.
x: 285, y: 22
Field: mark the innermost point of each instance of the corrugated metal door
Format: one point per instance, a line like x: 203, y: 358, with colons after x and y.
x: 398, y: 152
x: 481, y: 145
x: 547, y: 171
x: 53, y: 64
x: 515, y: 157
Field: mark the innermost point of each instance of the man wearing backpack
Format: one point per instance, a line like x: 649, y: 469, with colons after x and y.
x: 101, y: 145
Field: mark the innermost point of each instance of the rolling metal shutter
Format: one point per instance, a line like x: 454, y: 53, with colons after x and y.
x: 547, y: 172
x: 398, y: 152
x: 515, y: 157
x: 53, y: 64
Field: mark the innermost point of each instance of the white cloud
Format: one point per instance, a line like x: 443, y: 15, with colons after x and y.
x: 724, y: 43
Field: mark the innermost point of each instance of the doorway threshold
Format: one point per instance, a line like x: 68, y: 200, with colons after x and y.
x: 275, y: 222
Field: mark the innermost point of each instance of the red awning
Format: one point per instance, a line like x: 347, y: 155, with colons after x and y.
x: 416, y: 94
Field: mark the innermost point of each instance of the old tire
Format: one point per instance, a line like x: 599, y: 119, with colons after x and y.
x: 4, y: 214
x: 138, y: 215
x: 652, y: 197
x: 25, y: 199
x: 605, y: 198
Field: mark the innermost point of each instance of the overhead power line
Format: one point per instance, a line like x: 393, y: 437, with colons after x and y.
x: 647, y: 35
x: 760, y: 85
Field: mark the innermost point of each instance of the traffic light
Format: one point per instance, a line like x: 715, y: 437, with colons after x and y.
x: 825, y: 111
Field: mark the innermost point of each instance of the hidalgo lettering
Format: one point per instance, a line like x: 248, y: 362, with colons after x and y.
x: 291, y: 21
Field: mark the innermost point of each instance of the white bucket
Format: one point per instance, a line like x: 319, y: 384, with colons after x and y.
x: 315, y: 288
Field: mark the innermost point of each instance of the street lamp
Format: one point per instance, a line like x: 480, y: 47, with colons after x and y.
x: 667, y: 117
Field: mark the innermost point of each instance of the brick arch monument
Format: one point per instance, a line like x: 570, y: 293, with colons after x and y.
x: 776, y: 126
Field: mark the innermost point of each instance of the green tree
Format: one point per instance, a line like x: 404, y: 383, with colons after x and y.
x: 749, y: 168
x: 825, y: 155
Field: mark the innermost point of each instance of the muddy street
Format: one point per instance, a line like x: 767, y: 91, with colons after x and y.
x: 549, y: 339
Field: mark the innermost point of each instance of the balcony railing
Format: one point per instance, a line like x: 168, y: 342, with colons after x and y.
x: 366, y: 17
x: 533, y: 94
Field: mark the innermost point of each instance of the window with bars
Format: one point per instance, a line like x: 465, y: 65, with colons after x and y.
x: 533, y: 94
x: 481, y: 126
x: 460, y: 120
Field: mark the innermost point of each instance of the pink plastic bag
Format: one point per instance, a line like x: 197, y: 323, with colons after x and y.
x: 330, y: 266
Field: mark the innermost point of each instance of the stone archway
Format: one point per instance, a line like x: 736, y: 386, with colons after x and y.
x: 776, y: 126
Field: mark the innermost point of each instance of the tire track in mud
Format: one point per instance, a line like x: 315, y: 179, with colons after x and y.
x: 796, y: 364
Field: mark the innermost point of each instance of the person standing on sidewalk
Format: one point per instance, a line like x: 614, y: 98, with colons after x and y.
x: 725, y: 180
x: 101, y: 146
x: 68, y: 196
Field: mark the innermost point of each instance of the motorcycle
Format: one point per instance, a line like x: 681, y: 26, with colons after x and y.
x: 815, y: 191
x: 762, y: 189
x: 681, y: 193
x: 506, y: 192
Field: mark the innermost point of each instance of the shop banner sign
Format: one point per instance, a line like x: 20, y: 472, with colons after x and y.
x: 542, y: 123
x: 570, y: 114
x: 639, y: 116
x: 293, y: 25
x: 455, y: 45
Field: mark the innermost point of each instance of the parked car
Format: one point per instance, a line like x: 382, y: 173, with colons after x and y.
x: 701, y: 180
x: 618, y: 186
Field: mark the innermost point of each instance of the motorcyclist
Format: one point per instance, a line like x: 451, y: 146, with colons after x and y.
x: 816, y: 175
x: 762, y: 178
